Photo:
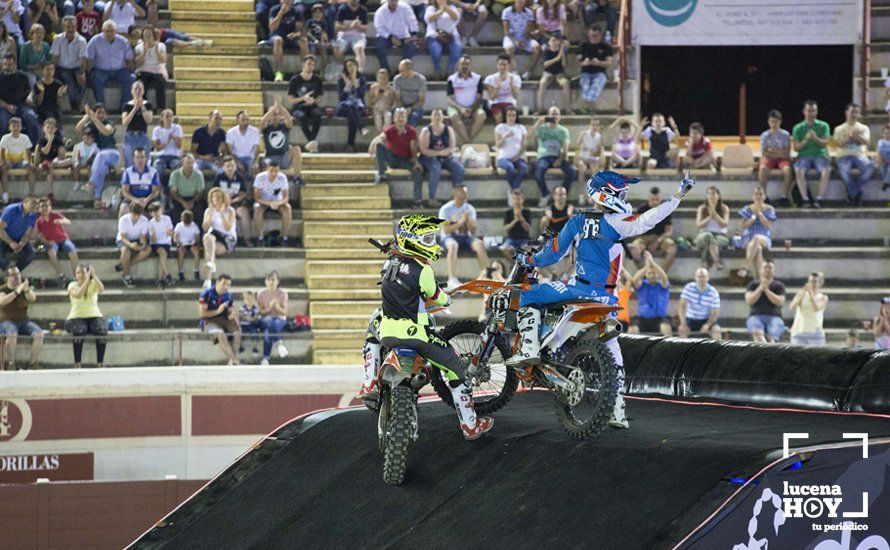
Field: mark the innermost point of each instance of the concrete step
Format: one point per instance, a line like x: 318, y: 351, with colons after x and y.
x: 316, y: 190
x: 205, y: 73
x: 333, y: 357
x: 208, y: 28
x: 363, y: 203
x: 326, y: 161
x: 347, y: 307
x: 362, y: 228
x: 342, y: 176
x: 217, y: 15
x: 344, y: 267
x: 220, y: 96
x: 344, y: 253
x: 221, y: 38
x: 211, y: 86
x: 340, y: 321
x: 344, y: 215
x: 333, y: 242
x: 209, y: 6
x: 343, y: 281
x: 222, y: 61
x: 227, y: 109
x: 362, y: 294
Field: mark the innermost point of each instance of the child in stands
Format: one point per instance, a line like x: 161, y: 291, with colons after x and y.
x: 160, y: 237
x: 698, y: 148
x: 625, y: 150
x: 52, y: 233
x: 554, y: 69
x: 84, y: 154
x: 662, y: 151
x: 187, y: 236
x: 249, y: 318
x: 382, y: 99
x: 589, y: 153
x: 15, y: 154
x: 50, y: 154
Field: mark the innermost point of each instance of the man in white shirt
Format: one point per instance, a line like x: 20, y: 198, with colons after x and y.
x: 396, y: 26
x: 519, y: 23
x: 139, y: 183
x: 69, y: 51
x: 243, y: 142
x: 460, y: 232
x: 464, y: 90
x: 271, y: 192
x: 132, y: 240
x: 700, y: 307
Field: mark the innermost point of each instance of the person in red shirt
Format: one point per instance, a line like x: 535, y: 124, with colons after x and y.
x: 698, y: 148
x: 399, y: 150
x: 52, y: 233
x: 88, y: 20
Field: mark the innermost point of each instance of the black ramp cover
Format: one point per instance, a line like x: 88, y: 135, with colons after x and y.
x: 524, y: 485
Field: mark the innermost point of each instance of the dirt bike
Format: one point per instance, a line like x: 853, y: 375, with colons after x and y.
x: 575, y: 363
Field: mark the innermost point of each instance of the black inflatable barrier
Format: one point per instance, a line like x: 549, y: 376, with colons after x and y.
x: 769, y: 375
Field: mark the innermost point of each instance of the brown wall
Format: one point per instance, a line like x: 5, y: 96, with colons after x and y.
x: 86, y: 514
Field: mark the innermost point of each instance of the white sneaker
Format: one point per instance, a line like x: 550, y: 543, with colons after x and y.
x: 463, y: 41
x: 282, y: 351
x: 207, y: 284
x: 510, y: 198
x: 453, y: 282
x: 365, y: 131
x: 211, y: 266
x: 264, y: 362
x: 208, y: 43
x: 312, y: 146
x: 473, y: 42
x: 5, y: 197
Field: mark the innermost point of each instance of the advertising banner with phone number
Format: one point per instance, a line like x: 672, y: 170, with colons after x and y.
x: 746, y: 22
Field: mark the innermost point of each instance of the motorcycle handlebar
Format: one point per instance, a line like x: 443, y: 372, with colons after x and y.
x: 537, y: 245
x: 382, y: 247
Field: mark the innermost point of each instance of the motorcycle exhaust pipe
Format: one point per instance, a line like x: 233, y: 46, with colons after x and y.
x: 419, y: 380
x: 613, y: 328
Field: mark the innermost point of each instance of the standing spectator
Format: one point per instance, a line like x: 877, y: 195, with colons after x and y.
x: 273, y: 308
x: 811, y: 143
x: 625, y: 149
x: 519, y: 26
x: 304, y: 94
x: 187, y: 237
x: 503, y: 88
x: 757, y: 222
x: 516, y: 224
x: 662, y: 151
x: 271, y: 193
x: 88, y: 20
x: 139, y: 183
x: 351, y: 26
x: 15, y: 154
x: 351, y: 88
x: 220, y: 230
x: 766, y: 298
x: 34, y: 54
x: 286, y: 29
x: 809, y: 305
x: 50, y: 155
x: 187, y: 190
x: 595, y: 59
x: 442, y: 19
x: 16, y: 225
x: 235, y: 186
x: 15, y: 297
x: 882, y: 158
x: 510, y: 138
x: 594, y: 7
x: 396, y: 27
x: 775, y: 151
x: 460, y: 232
x: 438, y: 146
x: 137, y: 115
x: 216, y: 309
x: 410, y: 87
x: 69, y: 55
x: 46, y: 94
x: 397, y: 147
x: 881, y: 325
x: 52, y: 233
x: 551, y: 20
x: 553, y: 141
x: 95, y: 123
x: 132, y: 240
x: 699, y: 307
x: 160, y: 238
x: 658, y: 239
x: 111, y: 58
x: 653, y: 296
x: 12, y: 11
x: 699, y: 153
x: 276, y: 125
x: 464, y: 91
x: 554, y: 69
x: 243, y: 143
x: 712, y: 219
x: 14, y: 91
x: 166, y: 141
x: 209, y: 143
x: 589, y: 153
x: 85, y: 316
x: 473, y: 17
x: 151, y: 65
x: 382, y: 100
x: 8, y: 44
x: 852, y: 139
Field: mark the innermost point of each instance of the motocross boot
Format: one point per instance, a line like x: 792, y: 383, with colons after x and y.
x: 619, y: 419
x: 472, y: 426
x: 371, y: 353
x: 530, y: 347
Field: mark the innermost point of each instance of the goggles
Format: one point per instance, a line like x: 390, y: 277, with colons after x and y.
x: 427, y: 239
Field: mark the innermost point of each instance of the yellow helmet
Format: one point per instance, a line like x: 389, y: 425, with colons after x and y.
x: 416, y: 236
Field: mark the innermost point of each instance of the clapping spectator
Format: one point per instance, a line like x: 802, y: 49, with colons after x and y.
x: 852, y: 139
x: 50, y: 154
x: 11, y: 13
x: 699, y: 153
x: 699, y: 307
x: 882, y: 158
x: 473, y: 17
x: 95, y: 123
x: 15, y: 297
x: 111, y: 58
x: 235, y: 186
x: 220, y: 230
x: 517, y: 224
x: 382, y: 100
x: 243, y: 143
x: 209, y: 143
x: 396, y: 27
x: 139, y: 183
x: 809, y: 305
x: 503, y: 88
x: 304, y: 93
x: 410, y: 87
x: 47, y: 93
x: 151, y: 64
x: 775, y: 151
x: 15, y: 154
x: 595, y: 59
x: 137, y: 115
x: 271, y: 194
x: 46, y: 14
x: 273, y: 308
x: 88, y: 19
x: 351, y: 26
x: 124, y: 13
x: 286, y: 29
x: 187, y: 237
x: 553, y: 142
x: 167, y: 144
x: 519, y: 26
x: 14, y: 92
x: 554, y: 69
x: 275, y: 126
x: 625, y: 149
x: 653, y: 297
x: 460, y: 232
x: 52, y: 234
x: 187, y: 189
x: 397, y: 147
x: 85, y: 316
x: 351, y: 87
x: 656, y: 240
x: 712, y: 220
x: 662, y: 151
x: 132, y: 240
x: 442, y: 19
x: 589, y: 156
x: 464, y: 91
x: 17, y: 223
x: 438, y: 146
x: 510, y: 138
x: 811, y: 143
x: 757, y: 222
x: 766, y: 298
x: 34, y: 54
x: 216, y: 310
x: 881, y: 325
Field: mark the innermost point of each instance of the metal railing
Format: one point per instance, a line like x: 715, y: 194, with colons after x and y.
x: 865, y: 55
x: 624, y: 39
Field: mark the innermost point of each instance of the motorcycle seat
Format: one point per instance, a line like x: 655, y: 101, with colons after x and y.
x: 557, y: 305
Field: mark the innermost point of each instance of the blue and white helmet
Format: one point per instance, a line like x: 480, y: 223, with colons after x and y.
x: 609, y: 190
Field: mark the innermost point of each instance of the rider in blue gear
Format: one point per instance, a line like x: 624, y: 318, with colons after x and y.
x: 596, y: 235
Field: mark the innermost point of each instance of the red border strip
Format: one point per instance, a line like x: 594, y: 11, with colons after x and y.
x: 756, y: 408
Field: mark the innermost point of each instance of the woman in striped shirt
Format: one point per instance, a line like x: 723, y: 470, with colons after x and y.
x: 757, y: 222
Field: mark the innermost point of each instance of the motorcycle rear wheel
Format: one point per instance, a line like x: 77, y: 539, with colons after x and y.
x: 401, y: 412
x: 589, y: 415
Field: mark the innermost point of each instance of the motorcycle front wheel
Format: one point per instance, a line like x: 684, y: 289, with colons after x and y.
x: 399, y: 429
x: 586, y: 412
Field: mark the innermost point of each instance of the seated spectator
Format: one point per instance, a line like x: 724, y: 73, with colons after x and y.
x: 8, y: 44
x: 286, y: 29
x: 271, y: 193
x: 396, y: 147
x: 46, y: 94
x: 15, y: 297
x: 881, y: 325
x: 304, y: 93
x: 593, y: 7
x: 166, y: 142
x: 656, y: 240
x: 132, y: 240
x: 882, y: 158
x: 209, y: 143
x: 853, y: 339
x: 699, y: 307
x: 261, y: 14
x: 554, y: 69
x: 317, y: 39
x: 95, y: 122
x: 516, y: 224
x: 811, y: 143
x: 595, y: 59
x: 712, y: 219
x: 216, y: 310
x: 275, y: 126
x: 243, y: 143
x: 151, y: 65
x: 45, y: 13
x: 124, y: 13
x: 756, y: 237
x: 136, y: 117
x: 14, y: 92
x: 464, y: 91
x: 442, y: 19
x: 775, y: 154
x: 34, y: 54
x: 509, y: 139
x: 139, y: 183
x: 351, y: 88
x: 554, y: 219
x: 438, y: 146
x: 809, y: 305
x: 766, y: 298
x: 273, y: 308
x: 410, y: 87
x: 84, y: 154
x: 15, y: 154
x: 550, y: 21
x: 625, y: 149
x: 519, y: 26
x: 233, y: 183
x: 852, y: 139
x: 589, y: 153
x: 662, y: 151
x: 220, y: 231
x: 52, y: 234
x: 419, y: 9
x: 460, y: 232
x: 698, y: 149
x: 88, y: 18
x: 396, y: 27
x: 16, y: 226
x: 503, y: 88
x: 382, y: 100
x: 553, y: 141
x: 85, y: 316
x: 653, y: 297
x: 351, y: 27
x: 472, y: 19
x: 187, y: 236
x: 50, y: 154
x: 187, y: 189
x: 249, y: 320
x: 111, y: 58
x: 160, y: 239
x: 497, y: 7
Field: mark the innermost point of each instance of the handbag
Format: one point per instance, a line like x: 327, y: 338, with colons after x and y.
x: 444, y: 38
